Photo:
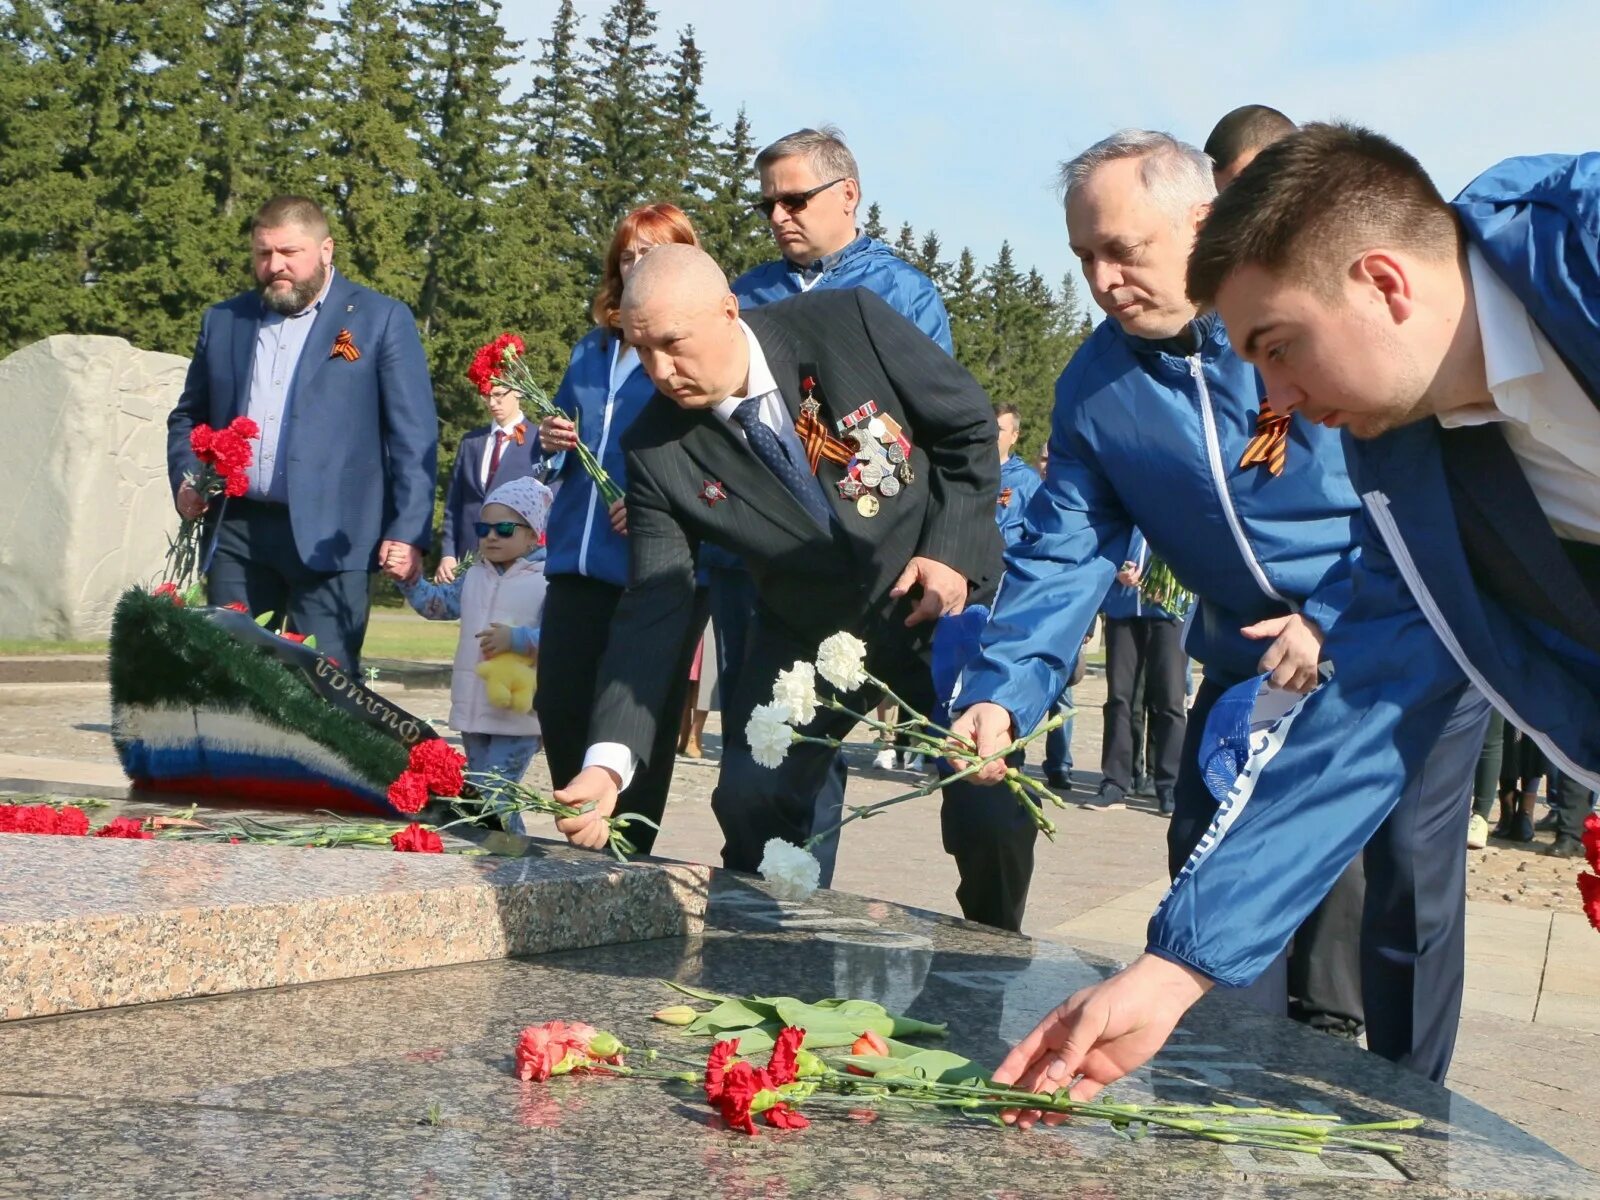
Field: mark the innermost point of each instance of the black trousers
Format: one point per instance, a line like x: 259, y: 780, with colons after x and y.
x: 1412, y: 943
x: 572, y: 641
x: 1157, y: 647
x: 984, y: 829
x: 1570, y: 802
x: 256, y: 564
x: 732, y: 595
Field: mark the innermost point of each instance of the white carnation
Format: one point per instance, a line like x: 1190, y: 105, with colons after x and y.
x: 793, y: 873
x: 841, y: 661
x: 796, y: 693
x: 769, y: 735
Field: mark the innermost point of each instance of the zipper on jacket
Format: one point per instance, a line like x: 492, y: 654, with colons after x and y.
x: 1220, y: 475
x: 594, y: 497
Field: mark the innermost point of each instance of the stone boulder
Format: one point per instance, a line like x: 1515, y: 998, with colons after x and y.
x: 85, y: 507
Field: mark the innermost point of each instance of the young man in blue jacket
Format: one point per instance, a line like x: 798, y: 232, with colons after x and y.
x: 1461, y: 342
x: 1159, y: 424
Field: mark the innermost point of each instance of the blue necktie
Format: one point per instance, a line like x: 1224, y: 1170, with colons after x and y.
x: 766, y: 446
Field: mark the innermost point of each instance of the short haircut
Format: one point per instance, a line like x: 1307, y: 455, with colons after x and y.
x: 660, y: 224
x: 1174, y: 173
x: 823, y: 148
x: 291, y: 210
x: 1311, y: 202
x: 1251, y: 127
x: 1009, y: 410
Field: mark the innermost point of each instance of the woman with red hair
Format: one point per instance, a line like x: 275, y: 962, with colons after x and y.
x: 602, y: 392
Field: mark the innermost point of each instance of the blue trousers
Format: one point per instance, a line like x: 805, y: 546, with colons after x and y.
x: 502, y: 754
x: 256, y: 564
x: 1058, y: 742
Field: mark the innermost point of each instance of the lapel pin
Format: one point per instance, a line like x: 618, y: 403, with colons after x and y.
x: 712, y: 492
x: 344, y: 347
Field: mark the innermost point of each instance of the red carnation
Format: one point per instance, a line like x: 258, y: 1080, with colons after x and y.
x: 782, y: 1066
x: 236, y: 484
x: 781, y: 1116
x: 1589, y: 887
x: 408, y: 793
x: 289, y: 636
x: 200, y: 441
x: 1591, y: 840
x: 236, y: 607
x: 230, y: 452
x: 70, y: 821
x: 717, y: 1063
x: 416, y: 839
x: 440, y: 765
x: 169, y: 591
x: 739, y: 1089
x: 125, y: 827
x: 244, y: 427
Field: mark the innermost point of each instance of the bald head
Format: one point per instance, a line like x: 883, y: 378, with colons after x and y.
x: 678, y: 314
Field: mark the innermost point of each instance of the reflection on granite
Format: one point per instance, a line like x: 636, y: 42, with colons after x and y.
x: 330, y: 1090
x: 88, y: 923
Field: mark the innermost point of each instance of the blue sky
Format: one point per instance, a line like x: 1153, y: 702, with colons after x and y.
x: 959, y: 111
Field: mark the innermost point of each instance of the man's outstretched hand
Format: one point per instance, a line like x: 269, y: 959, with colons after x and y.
x: 1101, y: 1033
x: 594, y: 786
x: 987, y: 726
x: 944, y: 589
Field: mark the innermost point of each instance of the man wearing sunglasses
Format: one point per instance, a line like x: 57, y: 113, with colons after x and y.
x: 810, y: 191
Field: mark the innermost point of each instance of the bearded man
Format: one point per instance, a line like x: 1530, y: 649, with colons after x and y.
x: 342, y: 475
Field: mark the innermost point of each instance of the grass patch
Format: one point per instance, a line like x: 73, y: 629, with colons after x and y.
x: 390, y: 634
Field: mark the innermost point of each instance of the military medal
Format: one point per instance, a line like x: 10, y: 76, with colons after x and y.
x: 867, y: 506
x: 850, y: 488
x: 712, y: 492
x: 889, y: 487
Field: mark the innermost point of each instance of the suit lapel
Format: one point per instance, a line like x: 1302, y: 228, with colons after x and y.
x: 724, y: 459
x: 330, y: 318
x: 1499, y: 515
x: 244, y: 353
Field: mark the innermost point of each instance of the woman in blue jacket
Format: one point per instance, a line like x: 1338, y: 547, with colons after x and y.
x: 602, y: 392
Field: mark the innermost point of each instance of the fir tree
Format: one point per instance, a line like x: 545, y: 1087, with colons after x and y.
x: 927, y: 260
x: 874, y: 227
x: 555, y: 107
x: 688, y: 133
x: 374, y: 168
x: 906, y: 244
x: 622, y: 151
x: 733, y: 232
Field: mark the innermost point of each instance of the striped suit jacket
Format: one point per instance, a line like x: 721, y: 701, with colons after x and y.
x: 810, y: 582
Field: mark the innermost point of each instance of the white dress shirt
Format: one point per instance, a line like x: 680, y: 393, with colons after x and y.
x: 508, y: 428
x: 1551, y: 425
x: 774, y: 415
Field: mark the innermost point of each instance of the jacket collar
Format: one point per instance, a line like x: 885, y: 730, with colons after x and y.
x: 828, y: 262
x: 1204, y: 335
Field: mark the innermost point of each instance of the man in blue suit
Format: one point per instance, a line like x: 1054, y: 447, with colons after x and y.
x: 1461, y: 342
x: 501, y: 451
x: 342, y: 476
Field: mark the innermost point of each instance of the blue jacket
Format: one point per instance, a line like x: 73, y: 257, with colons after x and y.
x: 1123, y: 602
x: 1018, y: 483
x: 1303, y: 791
x: 580, y: 538
x: 464, y: 500
x: 864, y: 263
x: 361, y: 438
x: 1145, y: 435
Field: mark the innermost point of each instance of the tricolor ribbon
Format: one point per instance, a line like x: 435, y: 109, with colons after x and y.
x: 344, y: 347
x: 1270, y: 445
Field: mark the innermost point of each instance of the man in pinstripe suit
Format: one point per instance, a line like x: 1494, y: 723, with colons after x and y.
x: 716, y: 458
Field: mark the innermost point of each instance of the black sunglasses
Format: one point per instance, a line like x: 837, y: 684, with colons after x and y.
x: 793, y: 202
x: 503, y: 528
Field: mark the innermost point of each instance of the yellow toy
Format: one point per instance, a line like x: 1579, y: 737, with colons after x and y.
x: 509, y: 678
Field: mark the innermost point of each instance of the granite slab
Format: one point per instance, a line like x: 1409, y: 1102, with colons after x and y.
x: 401, y: 1085
x: 88, y: 923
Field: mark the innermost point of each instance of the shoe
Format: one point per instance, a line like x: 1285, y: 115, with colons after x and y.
x: 884, y: 760
x: 916, y: 764
x: 1109, y: 797
x: 1142, y: 786
x: 1522, y: 828
x: 1477, y: 832
x: 1565, y: 846
x: 1059, y: 782
x: 1166, y: 802
x: 1548, y: 823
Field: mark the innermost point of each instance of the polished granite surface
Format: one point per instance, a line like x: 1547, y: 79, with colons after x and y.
x: 401, y: 1085
x: 87, y: 923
